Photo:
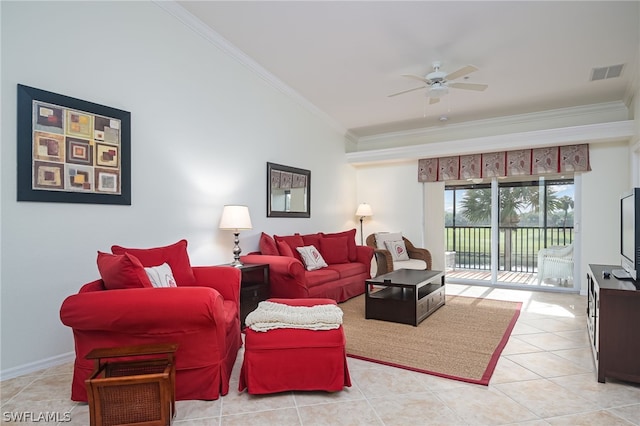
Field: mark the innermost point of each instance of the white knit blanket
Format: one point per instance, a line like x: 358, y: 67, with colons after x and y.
x: 270, y: 315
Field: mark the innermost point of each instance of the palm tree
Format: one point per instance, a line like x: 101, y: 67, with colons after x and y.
x: 476, y: 208
x: 476, y: 205
x: 565, y: 203
x: 552, y: 200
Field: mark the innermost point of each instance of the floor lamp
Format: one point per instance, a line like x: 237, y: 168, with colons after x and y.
x: 364, y: 210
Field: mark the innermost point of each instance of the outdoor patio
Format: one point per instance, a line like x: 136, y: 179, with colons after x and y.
x: 483, y: 277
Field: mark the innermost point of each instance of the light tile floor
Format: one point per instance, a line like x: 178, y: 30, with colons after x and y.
x: 545, y: 376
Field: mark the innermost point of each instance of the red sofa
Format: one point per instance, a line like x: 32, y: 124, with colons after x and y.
x: 200, y: 314
x: 348, y: 267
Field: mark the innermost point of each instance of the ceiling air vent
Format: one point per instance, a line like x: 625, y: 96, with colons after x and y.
x: 603, y: 73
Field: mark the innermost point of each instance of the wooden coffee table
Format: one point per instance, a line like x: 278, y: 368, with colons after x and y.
x: 406, y: 296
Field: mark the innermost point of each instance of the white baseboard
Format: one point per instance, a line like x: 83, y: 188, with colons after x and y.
x: 42, y: 364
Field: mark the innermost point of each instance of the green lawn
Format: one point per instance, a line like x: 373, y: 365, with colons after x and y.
x: 525, y: 242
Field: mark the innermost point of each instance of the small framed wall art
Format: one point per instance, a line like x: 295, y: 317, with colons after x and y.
x: 288, y: 191
x: 72, y: 151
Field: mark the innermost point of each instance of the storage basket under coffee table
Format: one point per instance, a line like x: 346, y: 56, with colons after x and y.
x: 406, y: 296
x: 139, y: 390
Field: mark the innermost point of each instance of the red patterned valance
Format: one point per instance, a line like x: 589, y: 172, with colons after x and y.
x: 522, y: 162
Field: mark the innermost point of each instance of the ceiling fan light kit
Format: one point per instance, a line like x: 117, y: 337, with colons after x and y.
x: 438, y: 90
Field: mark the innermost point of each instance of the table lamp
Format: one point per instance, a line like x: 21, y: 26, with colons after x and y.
x: 364, y: 210
x: 236, y: 219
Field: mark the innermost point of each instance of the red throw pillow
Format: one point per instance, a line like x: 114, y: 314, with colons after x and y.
x: 294, y: 241
x: 351, y: 242
x: 334, y: 250
x: 284, y: 249
x: 312, y: 239
x: 121, y: 271
x: 268, y: 245
x: 175, y: 255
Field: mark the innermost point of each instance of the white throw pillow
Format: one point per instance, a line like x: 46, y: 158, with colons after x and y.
x: 312, y: 258
x: 398, y: 250
x: 161, y: 276
x: 381, y: 237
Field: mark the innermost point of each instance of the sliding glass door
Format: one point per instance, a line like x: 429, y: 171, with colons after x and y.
x: 501, y: 232
x: 468, y: 226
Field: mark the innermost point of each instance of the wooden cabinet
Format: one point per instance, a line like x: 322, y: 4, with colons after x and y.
x: 613, y: 322
x: 254, y: 287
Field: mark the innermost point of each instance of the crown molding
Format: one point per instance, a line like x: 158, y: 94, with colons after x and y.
x: 202, y: 29
x: 616, y: 107
x: 590, y: 133
x: 351, y: 137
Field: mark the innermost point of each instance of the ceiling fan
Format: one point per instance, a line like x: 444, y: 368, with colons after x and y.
x: 438, y: 82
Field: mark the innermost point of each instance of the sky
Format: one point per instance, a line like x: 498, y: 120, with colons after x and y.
x: 561, y: 190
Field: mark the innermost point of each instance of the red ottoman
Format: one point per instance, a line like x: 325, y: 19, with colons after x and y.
x: 288, y: 359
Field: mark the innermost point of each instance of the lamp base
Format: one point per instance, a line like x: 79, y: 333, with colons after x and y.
x: 236, y: 264
x: 236, y: 250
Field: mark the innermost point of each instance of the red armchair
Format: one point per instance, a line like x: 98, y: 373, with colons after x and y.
x: 203, y: 319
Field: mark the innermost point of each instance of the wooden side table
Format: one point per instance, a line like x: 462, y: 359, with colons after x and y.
x: 254, y: 287
x: 132, y: 392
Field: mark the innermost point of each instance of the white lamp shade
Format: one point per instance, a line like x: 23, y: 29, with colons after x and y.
x: 364, y: 209
x: 235, y: 218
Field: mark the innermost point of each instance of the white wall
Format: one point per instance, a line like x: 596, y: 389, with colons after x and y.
x: 395, y: 196
x: 634, y: 156
x: 434, y: 223
x: 602, y: 188
x: 203, y: 128
x: 635, y: 111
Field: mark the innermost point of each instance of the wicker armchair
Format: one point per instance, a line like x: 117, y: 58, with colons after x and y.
x: 385, y: 261
x: 556, y: 263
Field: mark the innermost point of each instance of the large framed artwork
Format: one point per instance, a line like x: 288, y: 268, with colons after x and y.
x: 72, y: 151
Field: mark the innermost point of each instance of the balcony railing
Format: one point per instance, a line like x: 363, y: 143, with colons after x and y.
x: 518, y: 246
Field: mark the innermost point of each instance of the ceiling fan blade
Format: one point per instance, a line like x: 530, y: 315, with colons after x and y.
x: 406, y: 91
x: 461, y: 72
x: 469, y: 86
x: 433, y: 101
x: 417, y: 77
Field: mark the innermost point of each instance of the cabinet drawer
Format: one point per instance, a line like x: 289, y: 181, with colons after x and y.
x: 437, y: 297
x: 423, y: 307
x: 430, y: 302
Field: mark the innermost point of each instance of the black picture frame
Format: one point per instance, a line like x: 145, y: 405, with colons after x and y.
x: 106, y: 183
x: 298, y: 181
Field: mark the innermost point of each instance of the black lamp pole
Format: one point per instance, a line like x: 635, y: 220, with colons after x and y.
x: 363, y: 210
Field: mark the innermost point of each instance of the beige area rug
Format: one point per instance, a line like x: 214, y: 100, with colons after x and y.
x: 462, y: 340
